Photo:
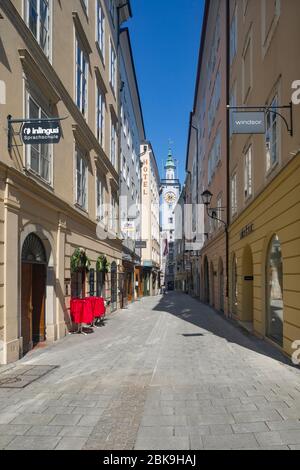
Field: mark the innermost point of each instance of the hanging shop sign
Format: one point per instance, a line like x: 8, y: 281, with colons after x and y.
x: 140, y: 244
x: 249, y: 122
x: 34, y: 131
x: 252, y: 119
x: 44, y: 132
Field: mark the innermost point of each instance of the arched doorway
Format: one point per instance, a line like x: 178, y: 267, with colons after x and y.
x: 33, y: 292
x: 221, y: 285
x: 212, y: 284
x: 275, y: 306
x: 114, y: 286
x: 206, y: 281
x: 247, y: 310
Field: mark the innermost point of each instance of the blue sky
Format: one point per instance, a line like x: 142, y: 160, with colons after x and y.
x: 165, y: 37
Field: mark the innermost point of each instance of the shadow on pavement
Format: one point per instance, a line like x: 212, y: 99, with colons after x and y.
x: 193, y: 311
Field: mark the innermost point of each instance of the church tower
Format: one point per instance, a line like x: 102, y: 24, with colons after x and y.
x: 170, y: 190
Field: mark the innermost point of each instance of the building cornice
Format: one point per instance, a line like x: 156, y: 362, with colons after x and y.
x: 39, y: 193
x: 32, y: 69
x: 81, y: 33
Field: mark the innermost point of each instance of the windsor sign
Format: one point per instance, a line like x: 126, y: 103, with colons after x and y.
x: 41, y: 132
x: 248, y: 122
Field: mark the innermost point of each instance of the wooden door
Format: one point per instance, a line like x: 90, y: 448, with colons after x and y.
x: 129, y: 287
x: 38, y: 303
x: 26, y: 307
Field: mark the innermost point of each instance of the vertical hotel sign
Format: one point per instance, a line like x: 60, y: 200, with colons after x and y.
x: 146, y: 179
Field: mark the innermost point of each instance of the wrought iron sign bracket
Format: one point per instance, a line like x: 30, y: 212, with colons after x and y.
x: 271, y: 109
x: 11, y: 121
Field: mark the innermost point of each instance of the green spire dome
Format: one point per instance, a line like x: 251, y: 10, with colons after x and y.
x: 170, y: 162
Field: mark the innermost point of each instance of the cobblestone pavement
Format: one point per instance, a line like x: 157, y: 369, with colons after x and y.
x: 168, y: 373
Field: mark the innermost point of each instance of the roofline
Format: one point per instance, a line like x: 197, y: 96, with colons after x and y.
x: 128, y: 5
x: 126, y: 31
x: 188, y: 142
x: 130, y: 8
x: 147, y: 142
x: 200, y: 59
x: 201, y: 49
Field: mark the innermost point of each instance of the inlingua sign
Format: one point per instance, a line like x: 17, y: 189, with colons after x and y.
x: 248, y: 122
x: 41, y: 132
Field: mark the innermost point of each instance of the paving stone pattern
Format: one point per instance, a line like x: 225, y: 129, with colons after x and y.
x: 168, y: 373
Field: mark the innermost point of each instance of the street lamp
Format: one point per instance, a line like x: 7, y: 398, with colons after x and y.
x: 206, y: 198
x: 212, y: 213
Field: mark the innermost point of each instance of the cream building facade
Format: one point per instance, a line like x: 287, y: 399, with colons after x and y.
x: 59, y: 59
x: 150, y: 228
x: 132, y: 134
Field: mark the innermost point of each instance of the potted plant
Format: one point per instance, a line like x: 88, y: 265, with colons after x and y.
x: 80, y: 261
x: 102, y: 265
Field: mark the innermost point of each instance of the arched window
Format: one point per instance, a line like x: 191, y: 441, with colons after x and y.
x: 33, y: 250
x: 274, y: 276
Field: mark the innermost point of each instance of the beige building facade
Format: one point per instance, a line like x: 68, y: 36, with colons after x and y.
x: 207, y: 161
x: 58, y: 59
x: 265, y: 172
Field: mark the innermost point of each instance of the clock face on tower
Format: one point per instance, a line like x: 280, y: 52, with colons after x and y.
x: 170, y: 198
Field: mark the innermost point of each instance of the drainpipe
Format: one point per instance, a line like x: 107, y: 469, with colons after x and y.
x: 228, y: 145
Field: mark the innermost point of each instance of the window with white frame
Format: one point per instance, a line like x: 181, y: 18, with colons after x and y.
x: 214, y: 156
x: 39, y: 156
x: 129, y: 139
x: 86, y: 6
x: 100, y: 198
x: 81, y: 78
x: 100, y: 28
x: 125, y: 126
x: 100, y: 116
x: 272, y: 136
x: 233, y: 36
x: 38, y: 21
x: 233, y: 194
x: 113, y: 214
x: 248, y: 173
x: 128, y: 177
x: 113, y: 143
x: 214, y: 103
x: 122, y: 114
x: 112, y: 10
x: 81, y: 179
x: 124, y: 168
x: 113, y: 67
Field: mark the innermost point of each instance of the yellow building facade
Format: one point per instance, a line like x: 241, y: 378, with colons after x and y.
x: 264, y: 233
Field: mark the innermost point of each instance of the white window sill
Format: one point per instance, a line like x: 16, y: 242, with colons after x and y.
x: 100, y: 52
x: 272, y: 169
x: 39, y: 179
x: 81, y: 209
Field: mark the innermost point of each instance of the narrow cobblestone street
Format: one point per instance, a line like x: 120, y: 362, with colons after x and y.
x: 168, y: 373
